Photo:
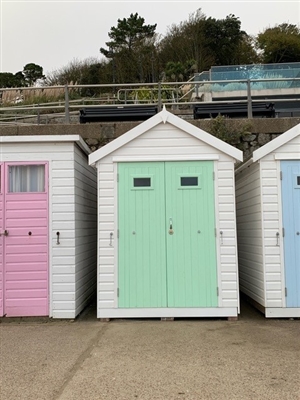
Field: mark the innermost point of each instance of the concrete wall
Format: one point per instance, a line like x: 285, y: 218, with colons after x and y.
x: 262, y: 130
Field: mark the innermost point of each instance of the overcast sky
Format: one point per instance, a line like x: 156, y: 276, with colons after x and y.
x: 53, y: 33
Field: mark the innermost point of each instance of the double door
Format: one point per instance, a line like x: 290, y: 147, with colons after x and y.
x: 291, y: 222
x: 23, y: 239
x: 167, y: 245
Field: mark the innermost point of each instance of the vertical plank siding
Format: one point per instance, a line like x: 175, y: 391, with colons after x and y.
x: 165, y: 139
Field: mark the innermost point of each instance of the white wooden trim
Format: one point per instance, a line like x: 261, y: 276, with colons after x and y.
x: 98, y: 236
x: 116, y: 240
x: 276, y: 143
x: 262, y: 227
x: 206, y: 137
x: 166, y: 312
x: 163, y: 117
x: 199, y: 157
x: 244, y: 166
x: 236, y: 249
x: 282, y: 312
x: 47, y: 138
x: 281, y: 241
x: 217, y: 235
x: 287, y: 156
x: 123, y: 139
x: 50, y: 240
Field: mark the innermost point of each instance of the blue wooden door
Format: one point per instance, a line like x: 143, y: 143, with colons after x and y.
x: 291, y: 223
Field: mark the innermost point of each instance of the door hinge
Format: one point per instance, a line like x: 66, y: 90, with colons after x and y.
x: 217, y: 291
x: 118, y: 177
x: 283, y: 232
x: 285, y: 292
x: 118, y: 233
x: 214, y: 175
x: 281, y: 175
x: 118, y: 292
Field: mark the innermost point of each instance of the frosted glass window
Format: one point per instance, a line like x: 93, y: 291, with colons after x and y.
x: 26, y: 178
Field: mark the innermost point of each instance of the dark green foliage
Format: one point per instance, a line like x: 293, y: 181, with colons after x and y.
x: 32, y: 72
x: 223, y: 37
x: 10, y: 80
x: 129, y: 34
x: 280, y: 44
x: 131, y: 50
x: 221, y: 130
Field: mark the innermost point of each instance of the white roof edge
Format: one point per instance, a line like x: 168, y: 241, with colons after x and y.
x: 125, y: 138
x: 46, y: 139
x: 165, y: 116
x: 246, y: 164
x: 276, y: 143
x: 207, y: 137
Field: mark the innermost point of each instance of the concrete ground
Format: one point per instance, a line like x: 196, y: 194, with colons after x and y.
x: 253, y: 358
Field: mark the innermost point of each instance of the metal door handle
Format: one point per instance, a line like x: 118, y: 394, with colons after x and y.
x: 171, y: 227
x: 4, y: 233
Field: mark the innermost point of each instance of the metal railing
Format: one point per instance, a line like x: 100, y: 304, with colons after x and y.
x: 71, y: 98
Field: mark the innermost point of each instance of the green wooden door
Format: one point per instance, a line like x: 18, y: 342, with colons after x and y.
x: 167, y: 254
x: 142, y: 243
x: 191, y: 244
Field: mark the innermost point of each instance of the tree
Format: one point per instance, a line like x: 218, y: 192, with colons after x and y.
x: 130, y: 48
x: 10, y: 80
x: 246, y: 52
x: 280, y: 44
x: 185, y: 42
x: 223, y: 38
x: 208, y: 41
x: 32, y: 72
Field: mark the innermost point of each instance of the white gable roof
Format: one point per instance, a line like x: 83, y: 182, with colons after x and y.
x: 165, y: 117
x: 276, y: 143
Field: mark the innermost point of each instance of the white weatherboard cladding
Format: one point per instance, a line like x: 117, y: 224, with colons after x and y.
x: 166, y: 140
x: 262, y: 272
x: 69, y: 174
x: 249, y: 229
x: 86, y: 230
x: 272, y: 220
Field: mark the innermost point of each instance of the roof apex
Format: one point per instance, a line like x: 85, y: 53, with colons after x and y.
x: 165, y: 116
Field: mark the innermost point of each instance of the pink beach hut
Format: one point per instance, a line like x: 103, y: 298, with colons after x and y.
x: 48, y: 225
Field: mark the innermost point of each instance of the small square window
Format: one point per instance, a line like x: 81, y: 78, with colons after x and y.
x: 189, y: 181
x: 26, y: 178
x: 298, y: 180
x: 142, y: 182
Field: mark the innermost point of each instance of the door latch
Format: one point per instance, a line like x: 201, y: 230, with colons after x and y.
x: 4, y: 233
x: 171, y: 227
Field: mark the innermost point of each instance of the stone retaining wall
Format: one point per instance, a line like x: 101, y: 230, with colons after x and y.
x: 259, y: 131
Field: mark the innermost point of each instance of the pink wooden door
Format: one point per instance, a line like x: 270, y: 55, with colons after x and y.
x: 1, y: 238
x: 26, y: 242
